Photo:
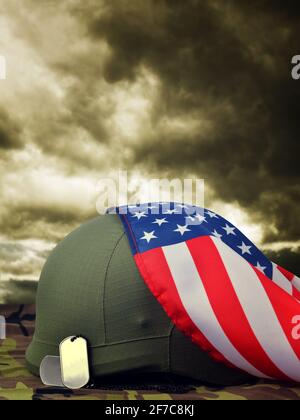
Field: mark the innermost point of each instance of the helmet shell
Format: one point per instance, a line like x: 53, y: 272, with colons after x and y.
x: 90, y: 286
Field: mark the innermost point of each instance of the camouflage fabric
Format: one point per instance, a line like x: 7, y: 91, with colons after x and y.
x: 16, y: 383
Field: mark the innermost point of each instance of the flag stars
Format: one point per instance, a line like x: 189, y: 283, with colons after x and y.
x: 212, y: 215
x: 217, y: 234
x: 229, y: 230
x: 182, y: 229
x: 245, y: 248
x: 174, y: 211
x: 139, y: 214
x: 160, y: 222
x: 148, y: 236
x: 200, y: 218
x: 261, y: 268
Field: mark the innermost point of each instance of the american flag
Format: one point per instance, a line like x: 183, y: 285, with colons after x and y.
x: 218, y: 287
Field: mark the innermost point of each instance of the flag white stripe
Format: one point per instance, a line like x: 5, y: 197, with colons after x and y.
x: 296, y: 283
x: 259, y: 311
x: 195, y: 300
x: 281, y: 280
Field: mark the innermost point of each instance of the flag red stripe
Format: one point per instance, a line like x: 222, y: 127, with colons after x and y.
x: 296, y: 293
x: 224, y: 301
x: 286, y: 273
x: 285, y: 307
x: 156, y: 273
x: 227, y: 307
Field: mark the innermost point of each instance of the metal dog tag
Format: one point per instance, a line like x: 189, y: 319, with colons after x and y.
x: 50, y: 372
x: 74, y: 362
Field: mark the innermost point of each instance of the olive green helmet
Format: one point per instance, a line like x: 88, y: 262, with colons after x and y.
x: 90, y: 286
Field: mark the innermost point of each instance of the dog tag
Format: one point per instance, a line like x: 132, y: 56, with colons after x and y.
x: 74, y: 362
x: 50, y: 372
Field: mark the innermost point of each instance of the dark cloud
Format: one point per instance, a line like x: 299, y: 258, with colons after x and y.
x: 287, y: 258
x: 18, y: 292
x: 157, y: 87
x: 45, y: 223
x: 10, y: 253
x: 229, y: 64
x: 22, y: 260
x: 10, y: 132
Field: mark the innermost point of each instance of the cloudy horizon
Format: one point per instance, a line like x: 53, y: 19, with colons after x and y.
x: 161, y: 88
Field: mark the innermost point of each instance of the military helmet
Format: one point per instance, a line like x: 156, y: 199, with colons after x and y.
x: 90, y: 286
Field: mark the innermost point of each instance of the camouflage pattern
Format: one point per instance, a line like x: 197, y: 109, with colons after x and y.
x: 16, y: 383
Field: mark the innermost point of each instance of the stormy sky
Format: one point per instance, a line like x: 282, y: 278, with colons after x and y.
x: 161, y: 88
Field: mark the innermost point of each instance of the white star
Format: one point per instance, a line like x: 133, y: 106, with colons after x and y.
x: 229, y: 230
x: 217, y: 234
x: 261, y: 268
x: 245, y: 248
x: 171, y: 211
x: 149, y: 235
x: 182, y: 229
x: 212, y: 215
x: 139, y: 214
x: 160, y: 222
x: 200, y: 218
